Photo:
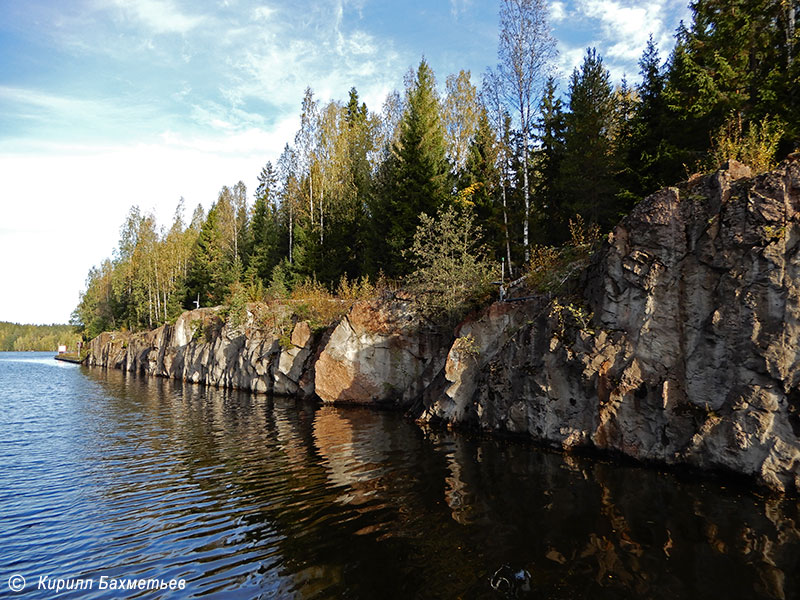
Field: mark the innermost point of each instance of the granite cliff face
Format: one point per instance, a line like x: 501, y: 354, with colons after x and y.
x: 380, y: 353
x: 692, y: 355
x: 200, y: 347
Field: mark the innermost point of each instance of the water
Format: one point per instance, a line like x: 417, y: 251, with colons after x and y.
x: 241, y: 496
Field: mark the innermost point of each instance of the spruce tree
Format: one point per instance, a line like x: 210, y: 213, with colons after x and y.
x: 550, y: 155
x: 212, y: 266
x: 265, y: 251
x: 416, y: 175
x: 480, y: 184
x: 587, y: 173
x: 738, y: 59
x: 652, y: 154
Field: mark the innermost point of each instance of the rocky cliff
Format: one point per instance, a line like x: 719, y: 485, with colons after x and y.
x: 203, y: 348
x: 682, y: 348
x: 691, y: 356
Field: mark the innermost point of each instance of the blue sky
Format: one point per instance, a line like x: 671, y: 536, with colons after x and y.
x: 109, y: 103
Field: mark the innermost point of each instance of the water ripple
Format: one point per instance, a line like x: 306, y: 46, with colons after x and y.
x: 242, y: 496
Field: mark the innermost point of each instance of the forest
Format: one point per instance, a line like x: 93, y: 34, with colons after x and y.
x: 484, y: 172
x: 41, y: 338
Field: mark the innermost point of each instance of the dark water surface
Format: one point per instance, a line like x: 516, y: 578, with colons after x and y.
x: 248, y: 497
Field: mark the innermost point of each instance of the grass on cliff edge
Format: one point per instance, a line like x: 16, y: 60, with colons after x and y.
x: 552, y: 270
x: 452, y: 277
x: 277, y: 309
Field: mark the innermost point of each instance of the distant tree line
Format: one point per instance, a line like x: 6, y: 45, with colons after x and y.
x: 347, y: 196
x: 42, y: 338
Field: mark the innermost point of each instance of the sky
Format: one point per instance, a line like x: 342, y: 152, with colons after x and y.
x: 106, y: 104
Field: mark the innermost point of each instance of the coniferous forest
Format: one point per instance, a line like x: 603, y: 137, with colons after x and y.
x: 492, y: 167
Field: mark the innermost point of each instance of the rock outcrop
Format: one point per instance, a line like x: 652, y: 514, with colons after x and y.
x: 380, y: 353
x: 691, y: 355
x: 202, y: 348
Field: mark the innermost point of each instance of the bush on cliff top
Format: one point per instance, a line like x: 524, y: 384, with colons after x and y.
x: 452, y: 273
x: 551, y: 269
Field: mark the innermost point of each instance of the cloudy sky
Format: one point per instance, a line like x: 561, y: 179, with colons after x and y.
x: 109, y: 103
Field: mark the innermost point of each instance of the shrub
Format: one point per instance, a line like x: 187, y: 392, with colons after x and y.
x: 237, y: 304
x: 550, y: 268
x: 315, y: 304
x: 754, y: 145
x: 452, y: 273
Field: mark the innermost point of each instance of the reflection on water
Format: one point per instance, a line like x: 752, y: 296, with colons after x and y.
x: 249, y: 497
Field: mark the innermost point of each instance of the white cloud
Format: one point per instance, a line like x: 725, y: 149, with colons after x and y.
x: 159, y: 16
x: 618, y: 29
x: 627, y: 26
x: 281, y: 57
x: 220, y: 97
x: 568, y: 59
x: 59, y: 230
x: 558, y: 12
x: 262, y: 13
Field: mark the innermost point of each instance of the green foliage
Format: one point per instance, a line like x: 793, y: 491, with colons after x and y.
x: 590, y: 159
x: 550, y: 269
x: 451, y: 271
x: 352, y: 197
x: 41, y: 338
x: 754, y: 145
x: 415, y: 175
x: 480, y: 184
x: 549, y: 190
x: 738, y: 57
x: 278, y: 287
x: 237, y: 304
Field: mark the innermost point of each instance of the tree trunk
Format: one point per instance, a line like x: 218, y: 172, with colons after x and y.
x: 790, y: 28
x: 291, y: 231
x: 508, y: 234
x: 149, y: 305
x: 525, y: 193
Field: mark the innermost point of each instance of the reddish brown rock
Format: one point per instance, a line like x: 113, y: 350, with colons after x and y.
x: 380, y: 353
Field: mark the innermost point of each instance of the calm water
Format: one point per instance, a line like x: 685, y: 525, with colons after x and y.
x: 247, y: 497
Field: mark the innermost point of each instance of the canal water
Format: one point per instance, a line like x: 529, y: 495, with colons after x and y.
x: 112, y: 478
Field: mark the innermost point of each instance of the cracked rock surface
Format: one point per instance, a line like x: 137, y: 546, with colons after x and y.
x: 692, y: 355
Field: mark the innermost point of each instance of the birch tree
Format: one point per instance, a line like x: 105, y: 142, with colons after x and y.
x: 524, y: 52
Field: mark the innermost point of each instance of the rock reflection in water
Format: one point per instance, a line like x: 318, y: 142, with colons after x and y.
x: 248, y: 496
